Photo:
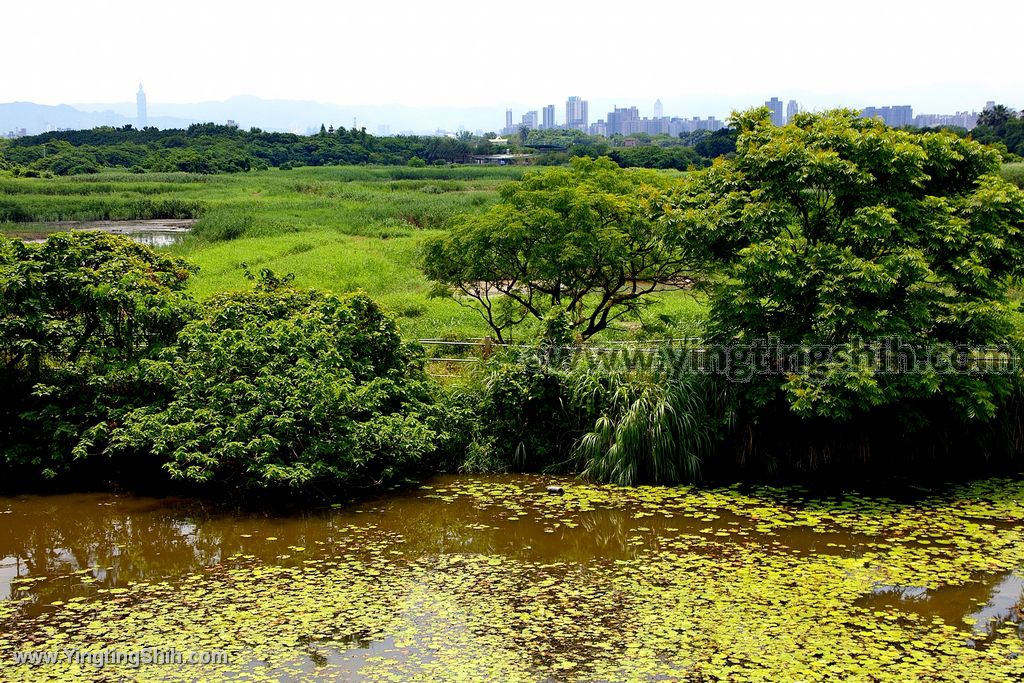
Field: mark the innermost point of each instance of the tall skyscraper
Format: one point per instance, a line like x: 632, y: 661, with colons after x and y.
x: 508, y: 122
x: 548, y: 121
x: 792, y: 109
x: 659, y: 110
x: 530, y: 119
x: 576, y: 113
x: 140, y: 107
x: 775, y: 104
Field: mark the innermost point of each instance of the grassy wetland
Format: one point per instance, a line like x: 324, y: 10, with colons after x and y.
x: 339, y: 229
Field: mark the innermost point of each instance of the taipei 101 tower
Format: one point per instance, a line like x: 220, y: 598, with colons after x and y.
x: 140, y: 103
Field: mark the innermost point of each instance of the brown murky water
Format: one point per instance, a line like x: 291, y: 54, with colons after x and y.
x: 113, y: 540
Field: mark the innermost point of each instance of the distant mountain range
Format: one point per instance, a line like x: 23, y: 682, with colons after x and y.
x: 247, y: 111
x: 39, y: 118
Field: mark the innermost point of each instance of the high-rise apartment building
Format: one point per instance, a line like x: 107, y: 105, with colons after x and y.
x: 530, y: 120
x: 655, y: 126
x: 961, y: 119
x: 775, y: 105
x: 508, y: 122
x: 895, y: 117
x: 548, y: 118
x: 792, y: 109
x: 623, y: 121
x: 659, y: 109
x: 576, y: 113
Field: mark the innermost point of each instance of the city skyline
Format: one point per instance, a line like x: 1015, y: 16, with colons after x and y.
x: 629, y: 120
x: 626, y: 120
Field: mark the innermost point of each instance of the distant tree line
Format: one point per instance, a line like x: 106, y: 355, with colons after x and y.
x: 211, y: 148
x: 684, y: 152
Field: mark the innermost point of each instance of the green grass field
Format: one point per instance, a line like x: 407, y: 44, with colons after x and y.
x: 1014, y: 173
x: 335, y: 228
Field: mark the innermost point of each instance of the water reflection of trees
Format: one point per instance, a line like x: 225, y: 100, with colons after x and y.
x: 129, y: 539
x: 144, y: 538
x: 434, y: 528
x: 991, y: 600
x: 140, y: 538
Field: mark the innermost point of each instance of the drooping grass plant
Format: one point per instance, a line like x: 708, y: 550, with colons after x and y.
x: 650, y: 428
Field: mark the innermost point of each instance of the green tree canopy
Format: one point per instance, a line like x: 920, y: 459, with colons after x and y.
x: 997, y: 116
x: 581, y: 242
x: 837, y: 230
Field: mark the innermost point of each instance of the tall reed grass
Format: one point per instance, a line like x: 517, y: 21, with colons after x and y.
x: 648, y: 430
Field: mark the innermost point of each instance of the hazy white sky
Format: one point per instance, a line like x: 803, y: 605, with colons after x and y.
x: 460, y: 53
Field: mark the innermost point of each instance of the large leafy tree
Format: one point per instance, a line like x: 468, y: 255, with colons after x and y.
x: 76, y: 315
x: 837, y: 233
x: 579, y: 242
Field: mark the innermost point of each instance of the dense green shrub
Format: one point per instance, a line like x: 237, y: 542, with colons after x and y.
x: 515, y: 416
x: 112, y: 372
x: 282, y: 388
x: 76, y: 314
x: 71, y: 162
x: 649, y: 156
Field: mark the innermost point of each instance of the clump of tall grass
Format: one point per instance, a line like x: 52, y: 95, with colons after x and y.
x: 152, y: 177
x: 225, y: 224
x: 72, y: 186
x: 619, y: 425
x: 41, y: 208
x: 650, y: 428
x: 231, y: 222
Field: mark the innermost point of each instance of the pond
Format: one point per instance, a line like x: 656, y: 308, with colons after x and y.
x: 155, y: 233
x: 473, y: 577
